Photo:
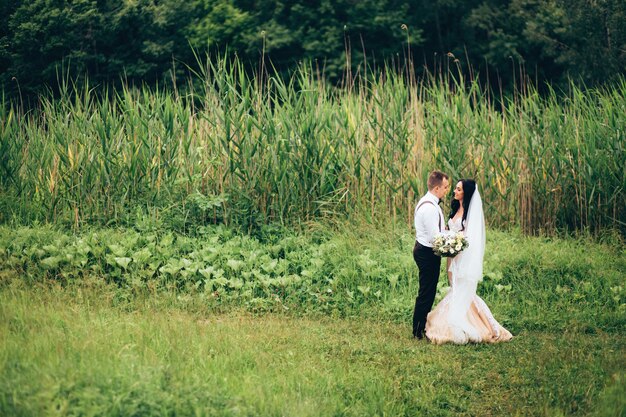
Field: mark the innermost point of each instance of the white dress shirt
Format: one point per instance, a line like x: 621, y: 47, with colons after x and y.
x: 428, y: 219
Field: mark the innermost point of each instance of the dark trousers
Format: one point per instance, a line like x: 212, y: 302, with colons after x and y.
x: 428, y: 264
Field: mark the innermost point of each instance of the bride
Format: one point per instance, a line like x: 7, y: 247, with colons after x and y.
x: 462, y: 316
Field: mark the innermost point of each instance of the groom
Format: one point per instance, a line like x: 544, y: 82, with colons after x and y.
x: 429, y: 221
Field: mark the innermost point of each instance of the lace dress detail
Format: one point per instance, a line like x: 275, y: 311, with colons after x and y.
x: 455, y: 225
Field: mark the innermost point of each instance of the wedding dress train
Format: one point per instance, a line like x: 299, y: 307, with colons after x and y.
x: 462, y: 316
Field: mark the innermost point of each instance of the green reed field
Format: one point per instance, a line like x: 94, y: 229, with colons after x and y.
x: 232, y: 149
x: 243, y: 248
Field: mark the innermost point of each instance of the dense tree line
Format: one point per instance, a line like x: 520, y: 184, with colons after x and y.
x: 150, y: 41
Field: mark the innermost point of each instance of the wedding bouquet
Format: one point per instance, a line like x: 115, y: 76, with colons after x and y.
x: 449, y: 244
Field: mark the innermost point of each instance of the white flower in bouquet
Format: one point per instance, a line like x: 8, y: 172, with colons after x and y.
x: 449, y: 244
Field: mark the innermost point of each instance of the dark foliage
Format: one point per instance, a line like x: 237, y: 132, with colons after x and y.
x: 148, y: 41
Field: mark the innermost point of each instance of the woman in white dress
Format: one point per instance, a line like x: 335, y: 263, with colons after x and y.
x: 462, y: 316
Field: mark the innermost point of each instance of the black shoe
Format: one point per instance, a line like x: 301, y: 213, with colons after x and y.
x: 418, y: 335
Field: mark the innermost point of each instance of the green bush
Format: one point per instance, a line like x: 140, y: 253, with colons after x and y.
x: 530, y: 283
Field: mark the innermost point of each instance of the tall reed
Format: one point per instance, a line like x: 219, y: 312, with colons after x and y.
x: 284, y: 149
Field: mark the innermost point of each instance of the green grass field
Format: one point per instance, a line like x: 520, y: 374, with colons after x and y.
x: 75, y: 354
x: 95, y: 344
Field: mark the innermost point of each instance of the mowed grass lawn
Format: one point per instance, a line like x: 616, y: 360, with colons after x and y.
x: 74, y: 351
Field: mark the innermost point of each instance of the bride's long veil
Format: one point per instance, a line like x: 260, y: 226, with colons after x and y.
x: 467, y: 270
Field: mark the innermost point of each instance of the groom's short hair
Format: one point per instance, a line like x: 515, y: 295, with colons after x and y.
x: 436, y: 178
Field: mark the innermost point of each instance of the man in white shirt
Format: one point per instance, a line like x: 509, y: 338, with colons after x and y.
x: 429, y: 221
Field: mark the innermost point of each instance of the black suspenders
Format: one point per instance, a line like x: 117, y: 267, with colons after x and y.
x: 438, y: 214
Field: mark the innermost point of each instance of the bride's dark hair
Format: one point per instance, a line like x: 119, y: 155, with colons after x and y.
x: 469, y: 186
